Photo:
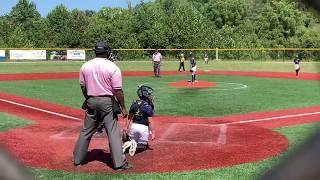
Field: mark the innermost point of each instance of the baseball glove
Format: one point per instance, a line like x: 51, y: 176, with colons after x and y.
x: 191, y: 70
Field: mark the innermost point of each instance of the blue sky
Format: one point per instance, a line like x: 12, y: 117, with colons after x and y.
x: 45, y: 6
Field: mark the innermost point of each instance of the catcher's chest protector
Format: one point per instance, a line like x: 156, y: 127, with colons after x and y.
x: 138, y: 113
x: 139, y: 116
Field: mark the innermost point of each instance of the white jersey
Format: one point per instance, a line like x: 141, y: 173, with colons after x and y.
x: 156, y: 57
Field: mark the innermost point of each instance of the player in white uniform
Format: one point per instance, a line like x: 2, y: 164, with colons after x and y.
x: 206, y: 58
x: 139, y: 127
x: 156, y: 60
x: 193, y: 67
x: 296, y: 63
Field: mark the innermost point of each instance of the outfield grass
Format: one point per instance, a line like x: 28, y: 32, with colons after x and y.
x: 74, y: 66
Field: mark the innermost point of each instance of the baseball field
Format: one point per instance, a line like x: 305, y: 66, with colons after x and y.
x: 250, y: 117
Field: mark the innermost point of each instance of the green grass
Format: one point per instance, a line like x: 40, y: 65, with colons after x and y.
x: 9, y: 122
x: 262, y: 94
x: 74, y: 66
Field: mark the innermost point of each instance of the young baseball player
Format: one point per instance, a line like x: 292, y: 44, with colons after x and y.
x: 206, y: 58
x: 139, y: 126
x: 193, y: 67
x: 296, y: 63
x: 181, y: 60
x: 156, y: 60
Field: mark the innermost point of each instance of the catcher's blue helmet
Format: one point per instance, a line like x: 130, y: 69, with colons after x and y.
x: 145, y: 92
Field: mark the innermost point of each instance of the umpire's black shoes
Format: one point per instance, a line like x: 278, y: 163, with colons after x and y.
x: 77, y: 165
x: 125, y: 166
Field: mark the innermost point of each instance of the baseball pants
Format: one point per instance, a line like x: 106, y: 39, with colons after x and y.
x: 99, y: 109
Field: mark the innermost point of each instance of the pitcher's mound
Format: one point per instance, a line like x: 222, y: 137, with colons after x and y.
x: 196, y: 84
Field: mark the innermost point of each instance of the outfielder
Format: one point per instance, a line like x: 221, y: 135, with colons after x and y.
x: 139, y: 125
x: 206, y: 58
x: 296, y: 63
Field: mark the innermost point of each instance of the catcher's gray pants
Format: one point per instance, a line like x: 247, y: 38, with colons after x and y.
x: 99, y: 110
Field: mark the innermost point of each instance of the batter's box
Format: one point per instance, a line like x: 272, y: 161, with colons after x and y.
x: 195, y: 133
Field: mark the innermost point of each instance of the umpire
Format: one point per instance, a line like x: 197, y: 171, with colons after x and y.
x: 100, y: 81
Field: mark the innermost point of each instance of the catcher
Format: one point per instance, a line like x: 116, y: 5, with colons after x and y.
x: 139, y: 125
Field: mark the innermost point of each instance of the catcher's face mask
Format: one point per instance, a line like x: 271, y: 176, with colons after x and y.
x: 145, y: 92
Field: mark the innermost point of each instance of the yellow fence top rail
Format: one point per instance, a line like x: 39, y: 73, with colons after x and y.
x: 191, y: 49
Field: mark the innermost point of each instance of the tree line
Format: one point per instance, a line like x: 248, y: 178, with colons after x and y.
x: 165, y: 24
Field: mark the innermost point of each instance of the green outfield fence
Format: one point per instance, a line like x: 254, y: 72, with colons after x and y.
x: 246, y: 54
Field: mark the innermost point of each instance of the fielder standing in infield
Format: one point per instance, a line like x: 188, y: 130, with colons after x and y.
x: 101, y: 82
x: 156, y: 60
x: 193, y: 67
x: 181, y: 62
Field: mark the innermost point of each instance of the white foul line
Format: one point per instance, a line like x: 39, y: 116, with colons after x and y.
x: 271, y: 118
x: 254, y: 120
x: 222, y: 138
x: 39, y: 109
x: 228, y: 123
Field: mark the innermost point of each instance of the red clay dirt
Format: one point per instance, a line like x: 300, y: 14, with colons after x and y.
x: 182, y: 144
x: 192, y: 85
x: 73, y: 75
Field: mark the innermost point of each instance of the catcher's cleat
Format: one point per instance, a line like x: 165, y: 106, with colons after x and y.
x: 132, y: 145
x: 133, y: 148
x: 125, y: 146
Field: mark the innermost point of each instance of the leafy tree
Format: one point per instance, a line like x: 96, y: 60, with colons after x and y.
x: 76, y: 27
x: 58, y: 20
x: 21, y: 23
x: 227, y: 12
x: 167, y: 24
x: 23, y: 14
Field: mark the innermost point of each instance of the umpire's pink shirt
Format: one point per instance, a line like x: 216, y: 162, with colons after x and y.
x: 100, y: 77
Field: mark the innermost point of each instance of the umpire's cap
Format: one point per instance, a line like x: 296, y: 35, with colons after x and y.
x: 102, y: 48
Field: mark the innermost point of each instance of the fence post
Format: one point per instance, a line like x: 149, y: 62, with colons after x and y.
x: 217, y: 54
